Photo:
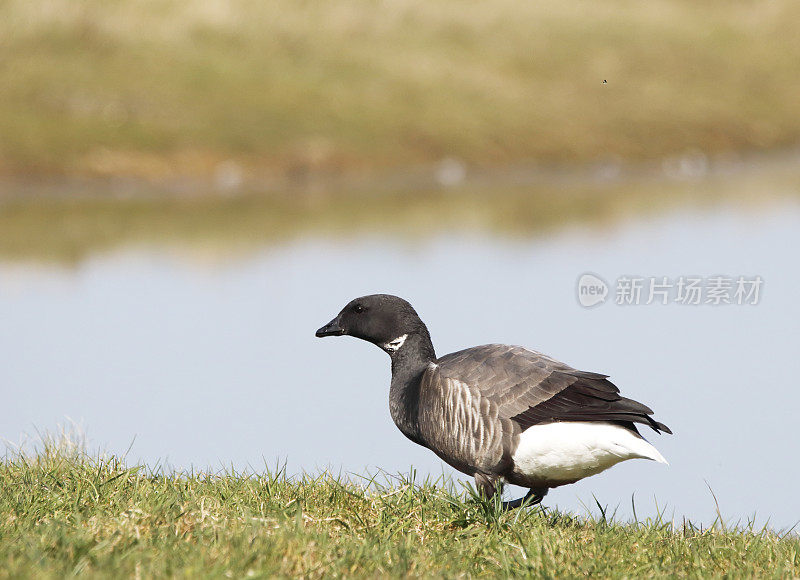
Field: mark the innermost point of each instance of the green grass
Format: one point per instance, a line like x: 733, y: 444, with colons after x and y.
x: 64, y: 513
x: 159, y: 88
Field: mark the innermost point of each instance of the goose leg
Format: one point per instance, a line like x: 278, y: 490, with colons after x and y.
x: 533, y: 497
x: 486, y: 485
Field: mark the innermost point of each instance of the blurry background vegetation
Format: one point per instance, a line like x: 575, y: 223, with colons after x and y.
x: 133, y: 119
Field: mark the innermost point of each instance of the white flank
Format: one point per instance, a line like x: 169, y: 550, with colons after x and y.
x: 570, y: 451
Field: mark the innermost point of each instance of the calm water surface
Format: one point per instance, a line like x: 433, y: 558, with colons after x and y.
x: 210, y: 362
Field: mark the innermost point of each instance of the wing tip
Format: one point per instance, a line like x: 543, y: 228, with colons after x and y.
x: 661, y: 427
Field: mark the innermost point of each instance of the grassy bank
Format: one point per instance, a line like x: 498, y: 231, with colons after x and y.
x: 63, y: 514
x: 158, y: 88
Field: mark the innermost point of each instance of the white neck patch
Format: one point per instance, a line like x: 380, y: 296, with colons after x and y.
x: 394, y: 345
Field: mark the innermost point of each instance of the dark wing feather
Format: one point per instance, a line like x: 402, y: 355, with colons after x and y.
x: 531, y: 388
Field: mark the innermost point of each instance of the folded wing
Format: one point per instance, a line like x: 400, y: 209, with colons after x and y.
x: 531, y: 388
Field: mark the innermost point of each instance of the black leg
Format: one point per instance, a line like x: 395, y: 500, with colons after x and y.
x: 486, y: 484
x: 533, y: 497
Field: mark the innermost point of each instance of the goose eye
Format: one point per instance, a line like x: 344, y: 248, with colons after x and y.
x: 358, y: 308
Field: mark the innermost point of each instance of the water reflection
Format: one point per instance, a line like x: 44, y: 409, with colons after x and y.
x: 214, y: 362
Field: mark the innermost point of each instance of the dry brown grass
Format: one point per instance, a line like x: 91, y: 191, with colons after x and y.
x: 155, y: 88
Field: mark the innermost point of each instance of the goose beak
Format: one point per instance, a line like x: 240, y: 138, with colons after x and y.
x: 331, y: 329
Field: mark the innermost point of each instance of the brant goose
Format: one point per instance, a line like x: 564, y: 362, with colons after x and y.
x: 498, y: 412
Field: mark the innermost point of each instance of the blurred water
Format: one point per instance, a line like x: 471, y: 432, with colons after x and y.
x: 212, y: 363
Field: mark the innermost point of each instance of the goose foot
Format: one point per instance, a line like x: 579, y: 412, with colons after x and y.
x: 533, y: 497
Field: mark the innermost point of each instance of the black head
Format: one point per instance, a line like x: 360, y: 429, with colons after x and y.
x: 378, y: 318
